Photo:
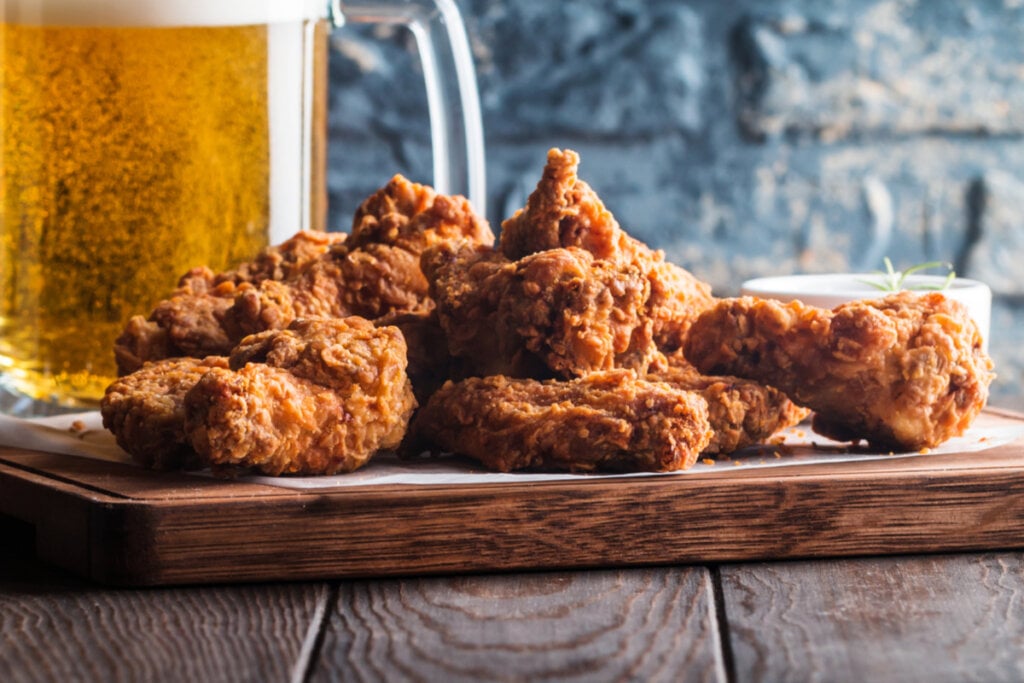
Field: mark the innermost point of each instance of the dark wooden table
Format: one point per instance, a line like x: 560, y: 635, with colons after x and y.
x: 956, y: 617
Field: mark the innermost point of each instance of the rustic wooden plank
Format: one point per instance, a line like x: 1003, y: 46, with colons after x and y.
x: 938, y: 618
x: 552, y: 526
x: 644, y: 625
x: 128, y: 481
x: 120, y: 528
x: 56, y: 627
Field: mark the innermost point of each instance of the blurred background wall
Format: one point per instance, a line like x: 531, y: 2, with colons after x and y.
x: 745, y: 139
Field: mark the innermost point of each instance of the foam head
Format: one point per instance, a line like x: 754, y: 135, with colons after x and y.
x: 158, y: 12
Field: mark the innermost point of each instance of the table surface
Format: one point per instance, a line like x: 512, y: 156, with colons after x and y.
x: 904, y: 618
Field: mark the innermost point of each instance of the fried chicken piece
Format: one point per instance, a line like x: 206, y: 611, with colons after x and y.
x: 559, y: 312
x: 376, y: 281
x: 320, y: 397
x: 607, y: 421
x: 563, y: 211
x: 414, y: 217
x: 430, y: 363
x: 741, y: 412
x: 376, y: 272
x: 284, y: 261
x: 904, y: 372
x: 191, y: 321
x: 373, y: 272
x: 145, y: 411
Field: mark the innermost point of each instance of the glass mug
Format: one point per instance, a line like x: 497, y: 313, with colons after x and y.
x: 143, y: 137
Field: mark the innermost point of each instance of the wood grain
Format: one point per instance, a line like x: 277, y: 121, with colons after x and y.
x: 56, y: 627
x: 644, y: 625
x: 941, y: 618
x: 129, y: 526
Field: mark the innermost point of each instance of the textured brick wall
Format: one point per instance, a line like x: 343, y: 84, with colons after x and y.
x: 746, y: 138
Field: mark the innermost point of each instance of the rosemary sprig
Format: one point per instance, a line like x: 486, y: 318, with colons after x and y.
x: 893, y: 280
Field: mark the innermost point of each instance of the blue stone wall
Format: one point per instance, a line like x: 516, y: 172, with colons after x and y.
x: 746, y: 138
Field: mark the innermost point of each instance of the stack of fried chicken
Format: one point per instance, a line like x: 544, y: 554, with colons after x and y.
x: 569, y: 346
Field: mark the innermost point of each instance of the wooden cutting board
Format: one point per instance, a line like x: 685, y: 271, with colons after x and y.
x: 119, y: 524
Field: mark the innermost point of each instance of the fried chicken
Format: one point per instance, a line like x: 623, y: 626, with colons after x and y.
x: 375, y: 272
x: 607, y: 421
x: 563, y: 211
x: 430, y: 363
x: 741, y: 412
x: 320, y: 397
x: 145, y: 411
x: 904, y: 372
x: 191, y: 321
x: 558, y: 313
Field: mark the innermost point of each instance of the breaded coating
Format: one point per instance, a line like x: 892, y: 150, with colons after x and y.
x: 374, y: 272
x: 430, y: 363
x: 604, y: 422
x: 904, y: 372
x: 741, y: 412
x: 145, y: 411
x: 556, y: 313
x: 413, y: 217
x: 563, y: 211
x: 285, y: 260
x: 190, y: 322
x: 320, y: 397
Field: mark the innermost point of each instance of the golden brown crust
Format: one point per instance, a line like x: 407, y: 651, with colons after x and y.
x: 906, y: 372
x: 563, y: 211
x: 606, y: 421
x: 559, y: 312
x: 145, y: 411
x: 741, y: 412
x: 374, y: 272
x: 191, y: 321
x: 320, y: 397
x: 413, y: 217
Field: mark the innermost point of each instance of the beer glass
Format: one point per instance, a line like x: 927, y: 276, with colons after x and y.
x: 141, y: 138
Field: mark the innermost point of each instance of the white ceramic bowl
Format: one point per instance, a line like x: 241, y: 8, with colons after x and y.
x: 831, y: 290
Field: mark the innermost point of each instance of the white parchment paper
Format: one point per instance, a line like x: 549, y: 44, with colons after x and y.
x: 83, y: 435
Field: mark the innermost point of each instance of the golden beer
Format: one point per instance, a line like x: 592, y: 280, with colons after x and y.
x: 128, y: 154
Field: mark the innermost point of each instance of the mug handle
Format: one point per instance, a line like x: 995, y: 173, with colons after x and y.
x: 453, y: 102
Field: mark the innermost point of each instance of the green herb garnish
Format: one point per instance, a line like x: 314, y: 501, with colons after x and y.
x: 893, y: 280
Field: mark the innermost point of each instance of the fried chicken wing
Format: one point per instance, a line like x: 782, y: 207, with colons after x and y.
x: 907, y: 371
x: 320, y: 397
x: 607, y: 421
x: 563, y: 211
x: 145, y: 411
x: 191, y: 322
x: 741, y: 412
x: 372, y: 273
x: 559, y: 312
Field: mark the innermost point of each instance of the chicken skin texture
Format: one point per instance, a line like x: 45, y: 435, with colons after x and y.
x: 604, y: 422
x: 741, y: 412
x: 376, y: 271
x: 145, y: 411
x: 563, y: 211
x: 904, y: 372
x: 191, y: 321
x: 373, y: 272
x: 556, y: 313
x: 320, y: 397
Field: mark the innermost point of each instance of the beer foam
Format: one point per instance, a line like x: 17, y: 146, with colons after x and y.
x: 158, y: 13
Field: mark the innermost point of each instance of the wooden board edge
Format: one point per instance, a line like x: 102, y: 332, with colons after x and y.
x: 60, y: 514
x: 552, y: 528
